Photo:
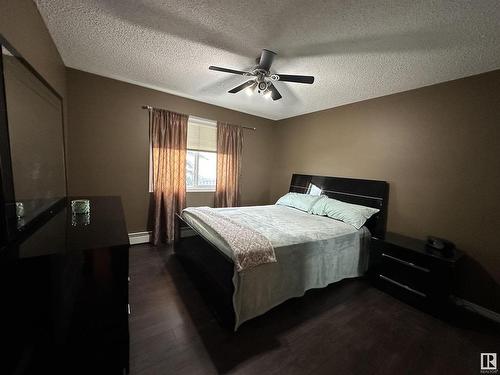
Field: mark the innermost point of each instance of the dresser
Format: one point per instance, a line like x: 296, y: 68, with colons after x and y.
x: 64, y: 293
x: 406, y: 268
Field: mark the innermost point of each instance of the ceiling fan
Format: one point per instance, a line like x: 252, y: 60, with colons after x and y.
x: 262, y: 79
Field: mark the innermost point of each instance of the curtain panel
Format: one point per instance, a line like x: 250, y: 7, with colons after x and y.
x: 229, y: 148
x: 168, y: 139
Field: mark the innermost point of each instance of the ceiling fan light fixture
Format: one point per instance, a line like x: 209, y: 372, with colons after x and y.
x: 262, y: 82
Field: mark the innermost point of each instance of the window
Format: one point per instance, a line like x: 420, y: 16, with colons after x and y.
x: 201, y: 170
x: 201, y: 158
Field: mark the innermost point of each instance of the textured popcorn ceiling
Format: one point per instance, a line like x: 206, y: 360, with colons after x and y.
x: 356, y: 49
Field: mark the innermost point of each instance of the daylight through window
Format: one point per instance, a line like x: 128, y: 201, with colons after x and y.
x: 201, y: 158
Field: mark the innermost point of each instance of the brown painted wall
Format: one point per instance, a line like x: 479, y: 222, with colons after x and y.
x: 438, y: 147
x: 108, y: 143
x: 23, y: 27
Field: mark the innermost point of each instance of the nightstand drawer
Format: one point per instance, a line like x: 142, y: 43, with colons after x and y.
x: 404, y: 262
x: 405, y: 257
x: 413, y: 296
x: 403, y: 272
x: 402, y: 286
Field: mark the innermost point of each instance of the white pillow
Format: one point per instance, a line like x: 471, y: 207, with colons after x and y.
x: 349, y: 213
x: 303, y: 202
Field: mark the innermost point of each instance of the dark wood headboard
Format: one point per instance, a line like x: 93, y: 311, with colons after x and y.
x: 371, y: 193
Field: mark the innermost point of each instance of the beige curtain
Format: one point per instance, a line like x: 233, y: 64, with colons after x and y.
x: 229, y: 147
x: 168, y: 139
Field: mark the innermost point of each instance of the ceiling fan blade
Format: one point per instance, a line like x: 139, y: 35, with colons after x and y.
x: 266, y: 59
x: 275, y: 94
x: 295, y: 78
x: 242, y: 86
x: 226, y: 70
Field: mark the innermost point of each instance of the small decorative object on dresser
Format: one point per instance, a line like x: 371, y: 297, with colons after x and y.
x: 80, y: 206
x: 19, y: 209
x: 407, y: 268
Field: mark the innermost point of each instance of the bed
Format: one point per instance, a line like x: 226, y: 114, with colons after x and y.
x: 311, y: 251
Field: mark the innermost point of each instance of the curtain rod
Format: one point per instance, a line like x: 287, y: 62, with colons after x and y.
x: 150, y: 108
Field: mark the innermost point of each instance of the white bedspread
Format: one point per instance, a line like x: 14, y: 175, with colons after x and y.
x: 312, y: 251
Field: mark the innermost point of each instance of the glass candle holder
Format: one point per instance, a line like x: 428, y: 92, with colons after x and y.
x: 80, y: 206
x: 19, y: 210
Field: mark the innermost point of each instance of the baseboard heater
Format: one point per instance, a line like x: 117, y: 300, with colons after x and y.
x: 137, y: 238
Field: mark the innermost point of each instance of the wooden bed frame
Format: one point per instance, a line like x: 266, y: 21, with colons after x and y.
x: 212, y: 270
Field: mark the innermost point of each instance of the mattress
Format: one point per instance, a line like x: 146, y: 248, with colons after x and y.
x: 312, y: 251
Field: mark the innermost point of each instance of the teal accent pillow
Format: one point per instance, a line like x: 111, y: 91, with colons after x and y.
x: 303, y: 202
x: 349, y: 213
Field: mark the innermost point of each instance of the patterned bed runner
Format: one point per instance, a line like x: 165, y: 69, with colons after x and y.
x: 250, y: 248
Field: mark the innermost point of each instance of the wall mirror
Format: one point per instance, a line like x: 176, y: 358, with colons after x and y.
x: 32, y: 142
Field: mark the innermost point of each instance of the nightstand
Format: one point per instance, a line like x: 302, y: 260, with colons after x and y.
x: 407, y: 269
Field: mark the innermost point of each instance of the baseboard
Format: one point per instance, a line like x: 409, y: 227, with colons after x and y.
x: 483, y: 311
x: 139, y: 237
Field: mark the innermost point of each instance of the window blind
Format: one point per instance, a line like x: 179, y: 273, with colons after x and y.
x: 202, y: 134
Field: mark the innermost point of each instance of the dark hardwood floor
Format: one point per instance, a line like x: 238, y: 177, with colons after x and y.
x: 346, y: 328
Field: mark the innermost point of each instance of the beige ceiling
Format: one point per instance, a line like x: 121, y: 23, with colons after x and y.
x: 356, y: 49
